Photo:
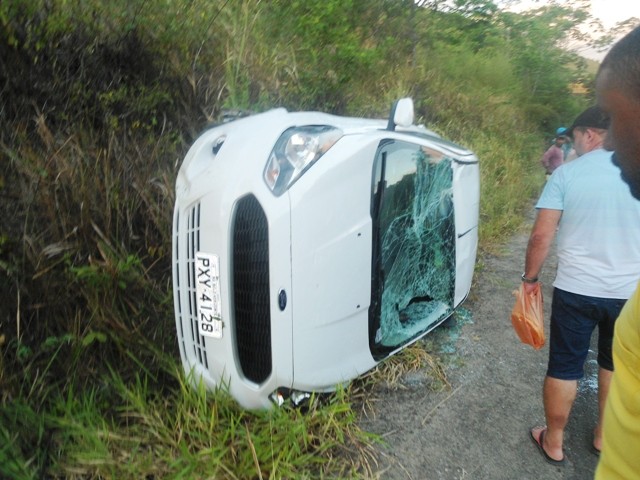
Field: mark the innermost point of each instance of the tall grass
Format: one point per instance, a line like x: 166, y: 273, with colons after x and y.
x: 135, y: 430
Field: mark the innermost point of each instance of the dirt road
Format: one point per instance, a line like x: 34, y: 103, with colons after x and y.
x: 478, y: 428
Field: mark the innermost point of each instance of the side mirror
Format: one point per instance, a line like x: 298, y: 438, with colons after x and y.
x: 401, y: 114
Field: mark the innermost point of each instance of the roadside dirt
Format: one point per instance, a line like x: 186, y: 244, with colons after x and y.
x: 479, y: 427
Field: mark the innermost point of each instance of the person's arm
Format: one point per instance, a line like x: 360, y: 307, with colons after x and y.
x: 545, y: 160
x: 542, y: 234
x: 556, y: 159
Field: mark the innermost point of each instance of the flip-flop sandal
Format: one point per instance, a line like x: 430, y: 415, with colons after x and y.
x: 539, y: 443
x: 594, y: 450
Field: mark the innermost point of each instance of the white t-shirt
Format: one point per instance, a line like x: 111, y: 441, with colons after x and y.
x: 599, y: 231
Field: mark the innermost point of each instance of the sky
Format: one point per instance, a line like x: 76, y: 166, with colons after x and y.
x: 612, y: 11
x: 609, y: 12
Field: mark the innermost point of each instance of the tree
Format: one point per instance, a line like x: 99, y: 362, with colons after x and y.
x: 546, y: 70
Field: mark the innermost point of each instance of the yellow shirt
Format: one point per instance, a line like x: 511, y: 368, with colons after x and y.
x: 620, y: 458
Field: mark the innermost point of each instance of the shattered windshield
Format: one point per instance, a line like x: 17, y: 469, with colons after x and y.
x: 413, y: 244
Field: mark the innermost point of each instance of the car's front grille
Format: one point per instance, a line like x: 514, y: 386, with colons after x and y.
x: 251, y: 289
x: 188, y: 231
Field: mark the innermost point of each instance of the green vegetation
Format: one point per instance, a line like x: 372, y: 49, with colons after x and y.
x: 99, y: 103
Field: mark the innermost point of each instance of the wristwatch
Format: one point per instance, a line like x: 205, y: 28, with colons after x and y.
x: 525, y: 279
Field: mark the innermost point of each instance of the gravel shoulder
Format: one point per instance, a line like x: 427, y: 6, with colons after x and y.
x: 478, y: 428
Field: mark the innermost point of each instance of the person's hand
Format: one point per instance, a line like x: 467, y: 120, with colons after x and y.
x: 529, y: 287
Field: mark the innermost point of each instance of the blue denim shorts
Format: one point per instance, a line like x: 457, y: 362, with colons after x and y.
x: 573, y: 319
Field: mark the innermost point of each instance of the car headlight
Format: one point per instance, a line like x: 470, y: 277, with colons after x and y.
x: 295, y: 151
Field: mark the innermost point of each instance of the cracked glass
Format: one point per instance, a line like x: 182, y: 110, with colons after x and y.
x: 413, y: 264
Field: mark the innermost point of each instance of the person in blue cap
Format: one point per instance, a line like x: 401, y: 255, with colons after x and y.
x: 567, y: 146
x: 554, y: 156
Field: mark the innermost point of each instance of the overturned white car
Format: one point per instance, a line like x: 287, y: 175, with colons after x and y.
x: 308, y: 247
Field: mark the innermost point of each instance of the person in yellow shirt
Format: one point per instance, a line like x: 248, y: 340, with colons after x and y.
x: 618, y: 94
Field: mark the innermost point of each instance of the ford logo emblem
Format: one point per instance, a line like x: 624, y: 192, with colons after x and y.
x: 282, y: 300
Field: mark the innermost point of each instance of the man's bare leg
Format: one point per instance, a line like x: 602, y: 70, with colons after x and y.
x: 558, y: 397
x: 604, y: 380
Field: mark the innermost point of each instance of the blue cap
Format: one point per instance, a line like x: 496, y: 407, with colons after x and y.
x: 561, y: 131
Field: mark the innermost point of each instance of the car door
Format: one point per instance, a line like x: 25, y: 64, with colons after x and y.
x: 414, y: 244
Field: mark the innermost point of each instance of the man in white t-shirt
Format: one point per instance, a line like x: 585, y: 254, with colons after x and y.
x: 598, y: 226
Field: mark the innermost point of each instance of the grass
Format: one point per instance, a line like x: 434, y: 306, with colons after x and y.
x: 157, y: 423
x: 121, y: 429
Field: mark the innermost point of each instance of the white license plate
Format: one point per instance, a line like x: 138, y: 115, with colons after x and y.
x: 208, y: 295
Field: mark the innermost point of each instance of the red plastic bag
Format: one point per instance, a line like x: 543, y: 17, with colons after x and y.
x: 527, y: 316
